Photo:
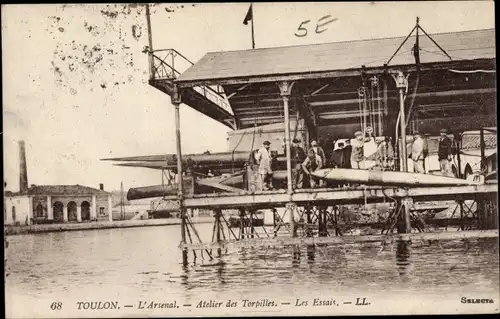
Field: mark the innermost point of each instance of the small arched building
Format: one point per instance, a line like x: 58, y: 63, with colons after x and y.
x: 41, y: 204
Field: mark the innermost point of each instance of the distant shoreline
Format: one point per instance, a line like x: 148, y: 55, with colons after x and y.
x: 47, y: 228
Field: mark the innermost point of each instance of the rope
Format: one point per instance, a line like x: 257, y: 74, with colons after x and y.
x: 364, y: 111
x: 360, y: 94
x: 379, y: 109
x: 253, y: 141
x: 234, y: 149
x: 372, y: 108
x: 413, y: 97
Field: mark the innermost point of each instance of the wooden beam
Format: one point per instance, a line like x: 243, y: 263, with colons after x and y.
x: 341, y: 115
x: 351, y: 196
x: 418, y: 95
x: 320, y: 89
x: 238, y: 90
x: 334, y: 74
x: 216, y: 184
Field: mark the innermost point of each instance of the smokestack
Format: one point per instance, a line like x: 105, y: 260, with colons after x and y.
x: 101, y: 187
x: 23, y: 171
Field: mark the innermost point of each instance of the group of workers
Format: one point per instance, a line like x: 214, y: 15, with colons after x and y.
x: 362, y: 152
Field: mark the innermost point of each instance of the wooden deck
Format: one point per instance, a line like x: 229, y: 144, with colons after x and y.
x: 330, y: 196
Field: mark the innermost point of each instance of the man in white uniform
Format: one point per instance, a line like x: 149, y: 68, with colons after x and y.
x: 263, y: 158
x: 418, y: 153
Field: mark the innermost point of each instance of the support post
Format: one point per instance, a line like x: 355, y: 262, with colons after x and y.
x: 65, y: 213
x: 462, y: 221
x: 93, y: 211
x: 286, y: 89
x: 401, y: 84
x: 252, y: 230
x: 290, y: 208
x: 482, y: 148
x: 110, y: 208
x: 309, y: 231
x: 150, y: 42
x: 218, y: 214
x: 176, y: 101
x: 457, y: 147
x: 79, y: 213
x: 274, y: 222
x: 406, y: 204
x: 242, y: 223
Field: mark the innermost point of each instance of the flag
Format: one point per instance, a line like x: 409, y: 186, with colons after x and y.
x: 249, y: 16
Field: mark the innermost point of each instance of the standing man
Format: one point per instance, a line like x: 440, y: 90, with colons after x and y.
x: 319, y: 151
x: 298, y: 156
x: 418, y: 153
x: 346, y: 154
x: 311, y: 164
x: 337, y: 155
x: 357, y: 154
x: 263, y: 159
x: 444, y: 153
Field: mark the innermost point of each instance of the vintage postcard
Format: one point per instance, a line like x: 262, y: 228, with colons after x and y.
x: 250, y: 159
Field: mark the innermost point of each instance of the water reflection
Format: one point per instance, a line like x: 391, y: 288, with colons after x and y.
x: 310, y: 254
x: 403, y: 257
x: 143, y: 260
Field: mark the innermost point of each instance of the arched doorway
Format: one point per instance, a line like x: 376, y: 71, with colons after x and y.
x: 72, y: 212
x: 85, y: 210
x: 58, y: 212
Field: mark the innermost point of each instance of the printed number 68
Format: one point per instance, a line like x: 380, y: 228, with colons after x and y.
x: 56, y: 306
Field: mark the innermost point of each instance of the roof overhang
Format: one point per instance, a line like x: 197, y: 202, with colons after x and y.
x: 355, y: 72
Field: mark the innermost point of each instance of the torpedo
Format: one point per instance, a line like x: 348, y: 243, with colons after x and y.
x: 369, y: 177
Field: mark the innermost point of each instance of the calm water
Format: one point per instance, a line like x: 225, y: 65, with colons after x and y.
x: 135, y: 264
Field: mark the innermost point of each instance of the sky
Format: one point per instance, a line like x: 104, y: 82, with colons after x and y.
x: 75, y: 78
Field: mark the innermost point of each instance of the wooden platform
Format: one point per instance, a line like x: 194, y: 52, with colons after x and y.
x: 291, y: 241
x: 331, y: 196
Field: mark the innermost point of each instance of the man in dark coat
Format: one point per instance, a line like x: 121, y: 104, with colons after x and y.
x: 298, y: 155
x: 337, y: 155
x: 444, y: 154
x: 346, y: 154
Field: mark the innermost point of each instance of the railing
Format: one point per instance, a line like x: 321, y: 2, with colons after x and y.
x: 166, y: 65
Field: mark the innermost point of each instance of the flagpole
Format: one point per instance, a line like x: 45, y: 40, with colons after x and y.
x: 253, y: 34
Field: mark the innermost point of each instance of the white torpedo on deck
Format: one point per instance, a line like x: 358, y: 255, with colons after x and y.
x: 344, y: 175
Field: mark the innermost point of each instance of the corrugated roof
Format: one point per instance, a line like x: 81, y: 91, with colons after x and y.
x: 472, y: 141
x: 465, y: 45
x: 64, y: 190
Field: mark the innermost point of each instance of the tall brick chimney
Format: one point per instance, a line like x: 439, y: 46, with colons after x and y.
x: 23, y: 170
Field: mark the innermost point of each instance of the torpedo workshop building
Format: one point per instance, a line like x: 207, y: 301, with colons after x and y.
x: 396, y: 86
x: 41, y: 204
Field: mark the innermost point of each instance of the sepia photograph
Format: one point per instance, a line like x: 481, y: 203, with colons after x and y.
x: 250, y: 159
